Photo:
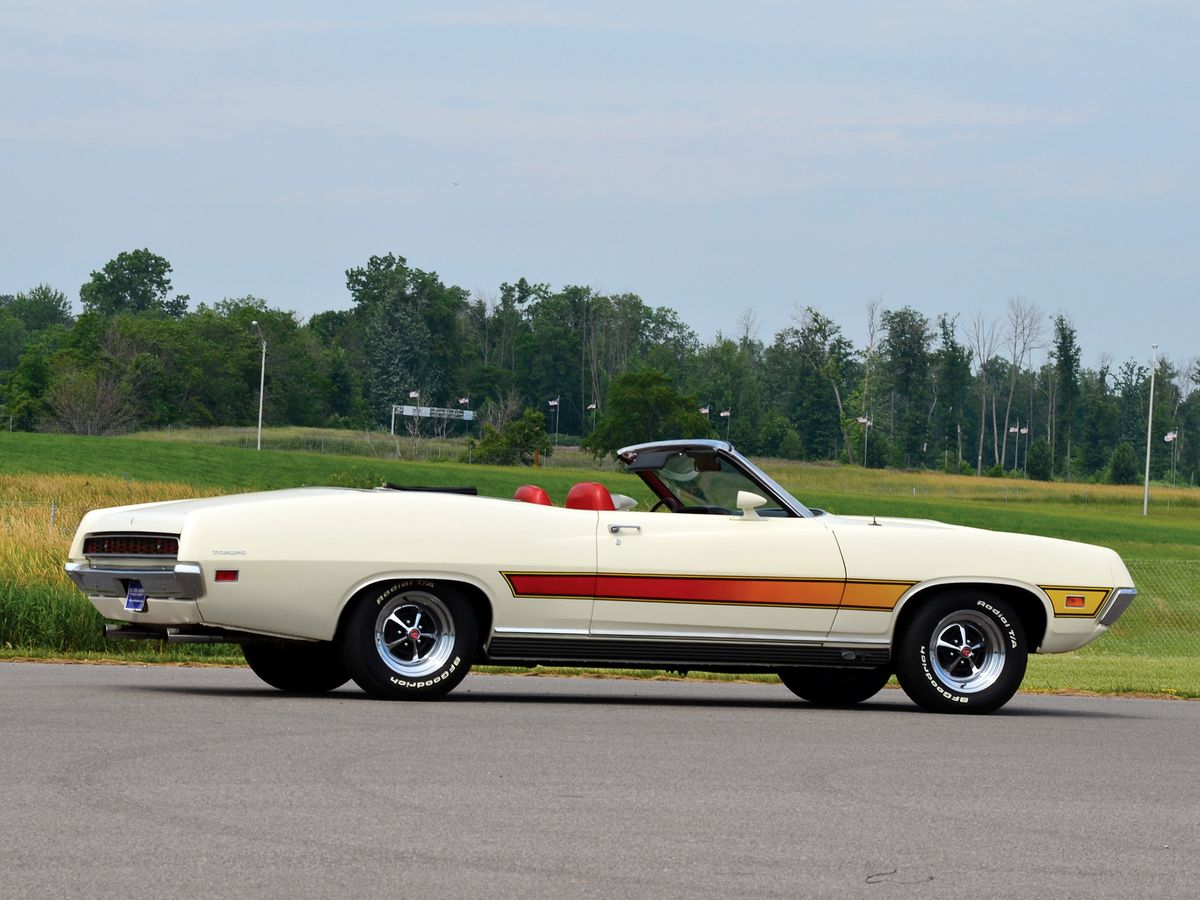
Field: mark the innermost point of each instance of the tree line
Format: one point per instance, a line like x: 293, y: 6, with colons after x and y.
x: 989, y: 395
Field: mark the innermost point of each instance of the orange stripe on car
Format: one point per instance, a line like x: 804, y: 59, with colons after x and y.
x: 800, y: 592
x: 874, y: 594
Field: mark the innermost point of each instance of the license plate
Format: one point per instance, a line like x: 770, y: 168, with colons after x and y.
x: 135, y: 599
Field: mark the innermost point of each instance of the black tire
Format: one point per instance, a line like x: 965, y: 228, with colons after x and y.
x: 409, y: 640
x: 297, y: 667
x: 835, y: 687
x: 962, y: 653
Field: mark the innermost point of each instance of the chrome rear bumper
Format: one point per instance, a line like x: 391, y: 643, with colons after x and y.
x: 178, y: 581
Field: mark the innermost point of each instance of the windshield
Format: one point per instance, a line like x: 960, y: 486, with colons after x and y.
x: 700, y: 479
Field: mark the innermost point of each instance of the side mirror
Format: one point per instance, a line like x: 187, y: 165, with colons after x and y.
x: 749, y: 503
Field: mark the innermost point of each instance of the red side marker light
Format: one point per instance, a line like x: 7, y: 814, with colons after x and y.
x: 226, y: 575
x: 1072, y: 602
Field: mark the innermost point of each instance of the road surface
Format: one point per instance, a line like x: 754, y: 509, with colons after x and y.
x: 131, y: 781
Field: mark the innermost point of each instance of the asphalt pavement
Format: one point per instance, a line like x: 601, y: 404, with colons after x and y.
x: 133, y: 781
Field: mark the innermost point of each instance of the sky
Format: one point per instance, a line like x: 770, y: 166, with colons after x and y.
x: 716, y: 158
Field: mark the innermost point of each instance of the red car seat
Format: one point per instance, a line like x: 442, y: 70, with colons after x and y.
x: 589, y: 495
x: 531, y: 493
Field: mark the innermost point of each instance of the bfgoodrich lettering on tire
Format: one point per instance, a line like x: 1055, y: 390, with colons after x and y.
x: 409, y: 640
x: 962, y: 653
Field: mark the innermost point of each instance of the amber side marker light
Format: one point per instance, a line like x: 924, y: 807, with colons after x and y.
x: 1072, y: 602
x: 226, y: 575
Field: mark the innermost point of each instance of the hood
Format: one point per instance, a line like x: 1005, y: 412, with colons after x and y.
x: 920, y: 549
x: 890, y: 522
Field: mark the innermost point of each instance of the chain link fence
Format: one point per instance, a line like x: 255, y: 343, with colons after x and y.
x: 1164, y: 620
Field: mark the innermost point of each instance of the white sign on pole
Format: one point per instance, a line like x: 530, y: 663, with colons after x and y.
x: 434, y: 412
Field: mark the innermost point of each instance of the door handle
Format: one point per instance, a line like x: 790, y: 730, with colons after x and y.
x: 617, y: 529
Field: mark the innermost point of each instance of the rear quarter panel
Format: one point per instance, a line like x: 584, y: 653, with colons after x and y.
x: 301, y: 559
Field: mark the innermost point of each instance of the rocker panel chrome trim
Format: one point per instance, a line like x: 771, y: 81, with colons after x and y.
x: 753, y: 654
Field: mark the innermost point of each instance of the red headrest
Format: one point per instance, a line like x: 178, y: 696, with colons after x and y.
x: 589, y: 495
x: 531, y: 493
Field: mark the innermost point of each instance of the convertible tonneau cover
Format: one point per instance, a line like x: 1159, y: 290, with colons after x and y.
x: 471, y: 491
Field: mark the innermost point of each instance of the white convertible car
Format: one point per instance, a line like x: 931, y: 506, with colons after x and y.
x: 403, y: 590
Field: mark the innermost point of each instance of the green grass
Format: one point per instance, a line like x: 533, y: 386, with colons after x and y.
x: 1112, y: 673
x: 1095, y: 514
x: 236, y: 469
x: 1154, y: 649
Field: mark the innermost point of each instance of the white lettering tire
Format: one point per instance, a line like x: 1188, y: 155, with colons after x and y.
x: 962, y: 653
x: 409, y: 640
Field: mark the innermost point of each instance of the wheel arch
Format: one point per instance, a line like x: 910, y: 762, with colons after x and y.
x: 1032, y: 605
x: 467, y: 588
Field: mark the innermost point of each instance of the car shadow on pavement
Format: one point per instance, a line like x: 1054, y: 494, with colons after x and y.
x: 891, y: 702
x: 879, y: 705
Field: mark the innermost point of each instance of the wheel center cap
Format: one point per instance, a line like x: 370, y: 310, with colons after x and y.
x: 966, y: 652
x: 414, y: 634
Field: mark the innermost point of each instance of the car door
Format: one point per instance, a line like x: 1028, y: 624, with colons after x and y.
x: 715, y: 576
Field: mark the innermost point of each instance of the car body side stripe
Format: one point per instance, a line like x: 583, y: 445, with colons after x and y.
x: 796, y: 592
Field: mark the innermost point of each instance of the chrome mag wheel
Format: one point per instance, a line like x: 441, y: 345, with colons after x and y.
x: 414, y: 634
x: 967, y: 651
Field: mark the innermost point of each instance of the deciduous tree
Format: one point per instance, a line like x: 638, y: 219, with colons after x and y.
x: 136, y: 281
x: 643, y: 405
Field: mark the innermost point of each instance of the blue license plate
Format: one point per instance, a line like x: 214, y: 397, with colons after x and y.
x: 135, y: 599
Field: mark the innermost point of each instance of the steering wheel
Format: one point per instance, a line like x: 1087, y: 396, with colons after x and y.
x: 669, y: 502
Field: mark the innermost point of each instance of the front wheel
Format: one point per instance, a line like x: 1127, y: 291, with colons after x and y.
x: 835, y: 687
x: 297, y: 667
x: 962, y: 653
x: 409, y: 640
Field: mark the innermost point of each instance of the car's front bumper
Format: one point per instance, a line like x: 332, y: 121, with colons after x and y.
x: 1116, y: 605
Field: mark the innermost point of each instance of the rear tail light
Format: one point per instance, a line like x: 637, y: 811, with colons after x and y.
x: 226, y: 575
x: 131, y: 545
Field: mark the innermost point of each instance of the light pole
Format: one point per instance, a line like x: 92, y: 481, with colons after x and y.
x: 727, y: 414
x: 866, y: 424
x: 1149, y: 428
x: 1170, y: 438
x: 262, y: 378
x: 554, y: 403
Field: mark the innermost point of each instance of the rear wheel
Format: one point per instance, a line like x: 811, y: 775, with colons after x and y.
x: 297, y: 667
x: 409, y: 640
x: 835, y: 687
x: 962, y: 653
